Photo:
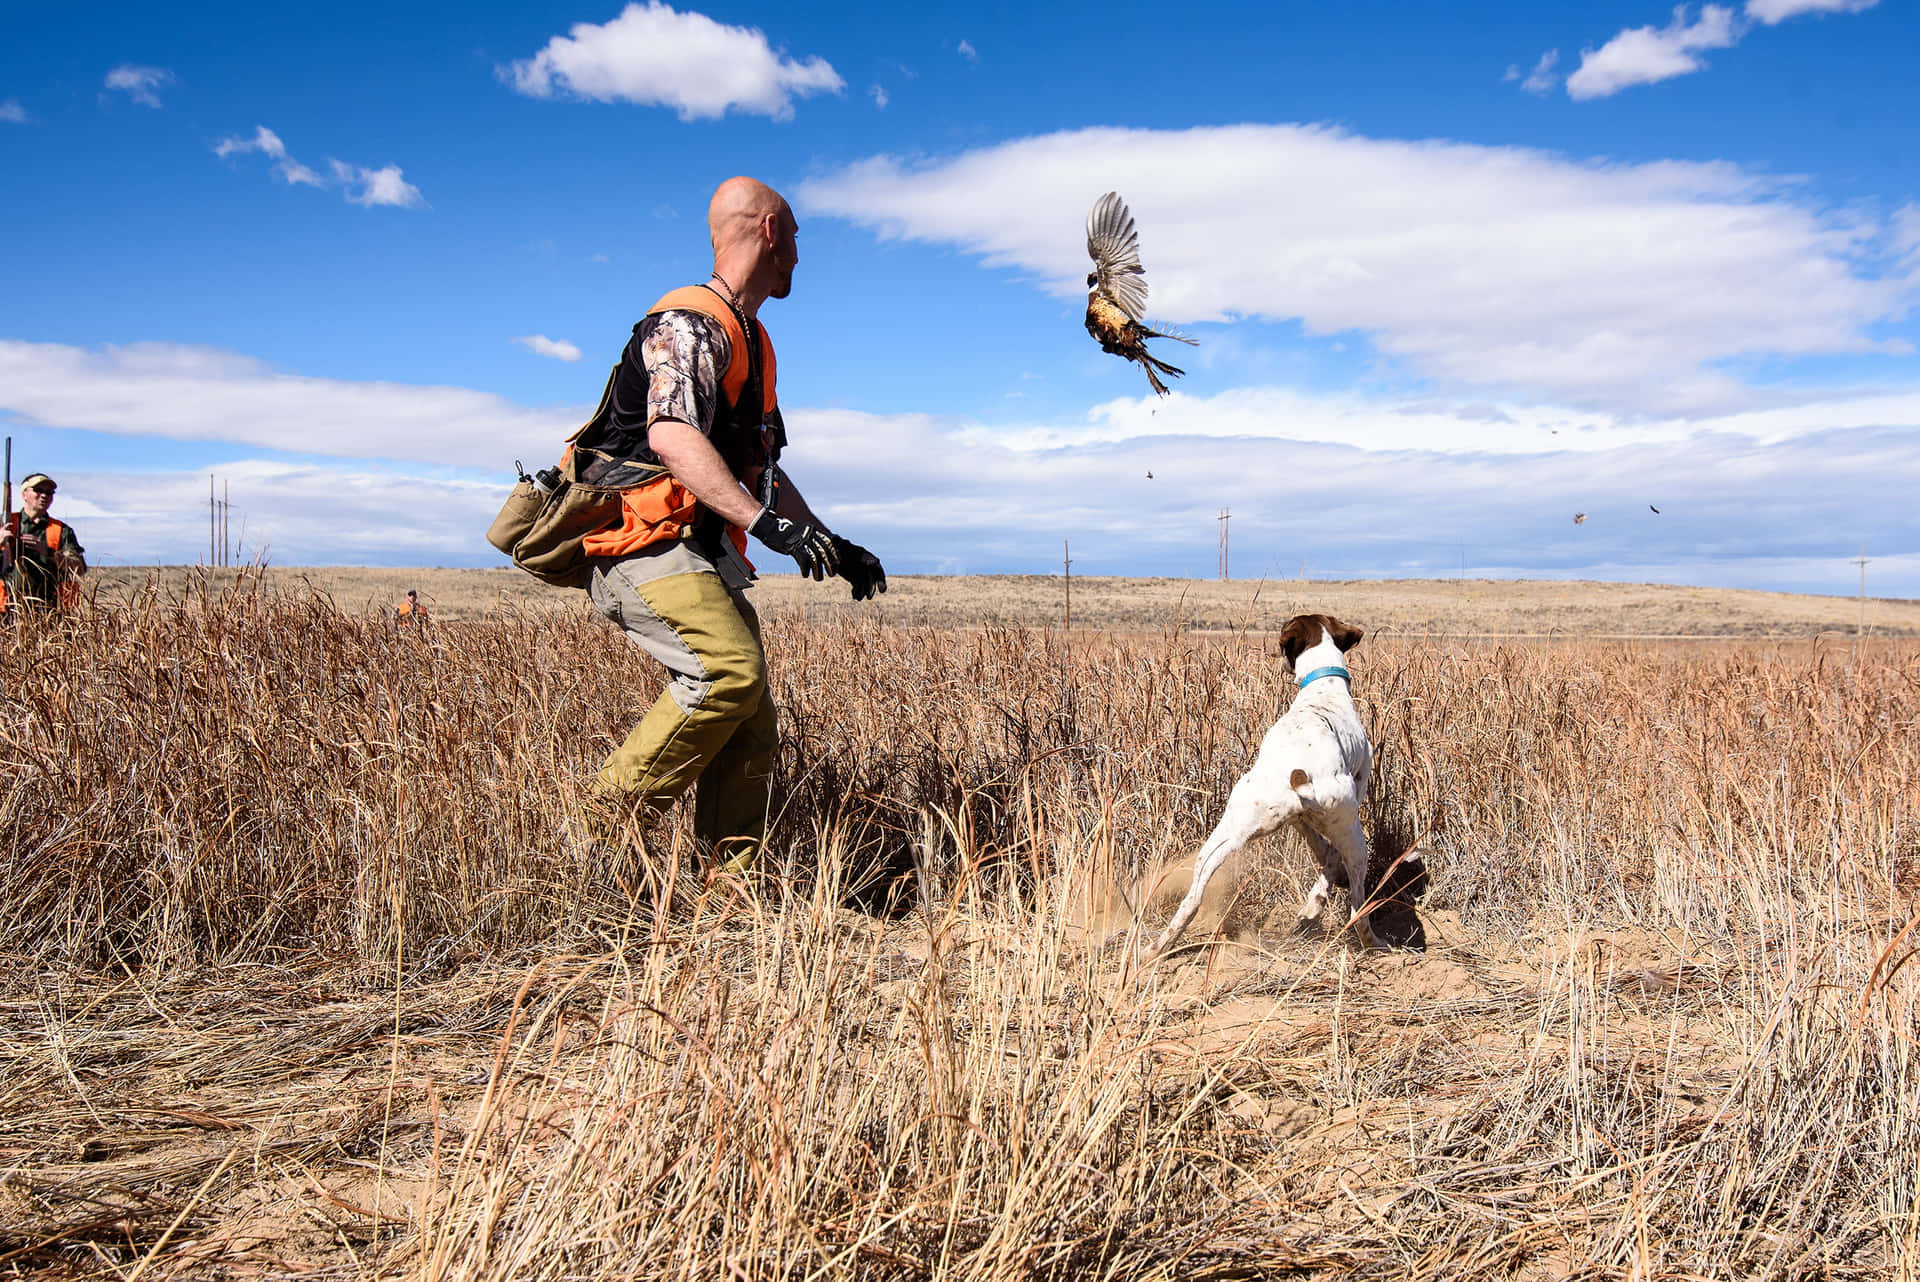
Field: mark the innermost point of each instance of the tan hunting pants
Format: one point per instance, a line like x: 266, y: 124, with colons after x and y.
x: 715, y: 721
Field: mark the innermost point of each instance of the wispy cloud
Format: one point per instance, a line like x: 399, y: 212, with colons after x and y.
x: 556, y: 348
x: 359, y: 185
x: 1542, y: 78
x: 1648, y: 55
x: 1624, y: 287
x: 654, y: 55
x: 142, y: 84
x: 268, y: 144
x: 879, y: 95
x: 11, y: 112
x: 1772, y: 12
x: 966, y: 50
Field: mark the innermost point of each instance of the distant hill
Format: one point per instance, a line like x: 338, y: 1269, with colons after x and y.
x: 1455, y: 607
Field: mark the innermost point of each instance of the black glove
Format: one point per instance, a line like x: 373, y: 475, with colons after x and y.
x: 860, y: 568
x: 808, y: 544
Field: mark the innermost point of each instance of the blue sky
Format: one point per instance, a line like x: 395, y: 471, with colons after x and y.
x: 1457, y: 273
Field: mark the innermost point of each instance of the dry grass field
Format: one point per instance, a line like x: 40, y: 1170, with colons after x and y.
x: 311, y: 973
x: 1421, y: 607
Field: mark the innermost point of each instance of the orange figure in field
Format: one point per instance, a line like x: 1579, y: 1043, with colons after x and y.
x: 41, y: 559
x: 410, y: 610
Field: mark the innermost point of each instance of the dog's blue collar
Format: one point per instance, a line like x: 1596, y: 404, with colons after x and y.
x: 1317, y: 673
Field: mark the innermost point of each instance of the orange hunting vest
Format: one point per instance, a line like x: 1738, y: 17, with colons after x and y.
x: 663, y: 508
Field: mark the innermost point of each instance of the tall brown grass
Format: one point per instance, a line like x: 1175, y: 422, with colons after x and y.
x: 745, y: 1078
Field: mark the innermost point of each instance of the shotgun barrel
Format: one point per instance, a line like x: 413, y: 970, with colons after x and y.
x: 6, y: 548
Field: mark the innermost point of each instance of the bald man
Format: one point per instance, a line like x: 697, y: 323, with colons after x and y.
x: 692, y: 416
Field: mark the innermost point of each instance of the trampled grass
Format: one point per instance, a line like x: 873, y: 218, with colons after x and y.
x: 314, y: 975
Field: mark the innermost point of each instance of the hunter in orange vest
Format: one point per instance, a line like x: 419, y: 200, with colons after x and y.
x: 42, y: 557
x: 692, y: 436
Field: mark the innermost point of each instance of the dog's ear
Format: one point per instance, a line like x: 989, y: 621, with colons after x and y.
x: 1345, y: 635
x: 1302, y: 630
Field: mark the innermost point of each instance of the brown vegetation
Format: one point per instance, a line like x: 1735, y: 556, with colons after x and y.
x: 311, y: 973
x: 1395, y: 607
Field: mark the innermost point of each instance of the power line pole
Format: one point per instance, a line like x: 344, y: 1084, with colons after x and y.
x: 1226, y: 515
x: 1861, y: 629
x: 1066, y: 558
x: 213, y: 523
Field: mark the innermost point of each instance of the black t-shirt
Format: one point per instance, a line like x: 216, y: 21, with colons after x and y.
x: 675, y: 367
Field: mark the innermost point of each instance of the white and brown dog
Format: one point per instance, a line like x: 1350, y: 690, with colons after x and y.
x: 1311, y: 772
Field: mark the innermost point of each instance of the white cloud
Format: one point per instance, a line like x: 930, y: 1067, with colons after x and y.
x: 268, y: 144
x: 293, y: 172
x: 264, y: 140
x: 1614, y: 286
x: 383, y: 186
x: 1774, y: 498
x: 204, y: 394
x: 1342, y: 512
x: 12, y: 113
x: 1906, y: 235
x: 140, y: 83
x: 557, y: 349
x: 1542, y: 78
x: 1735, y: 509
x: 1644, y: 55
x: 298, y: 513
x: 1773, y: 12
x: 655, y: 56
x: 967, y: 51
x: 879, y: 95
x: 359, y: 185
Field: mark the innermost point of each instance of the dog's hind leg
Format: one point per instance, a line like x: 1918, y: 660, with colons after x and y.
x: 1330, y: 868
x: 1350, y: 840
x: 1244, y: 820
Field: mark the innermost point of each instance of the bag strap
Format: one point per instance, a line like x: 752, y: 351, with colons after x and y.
x: 754, y: 393
x: 604, y: 410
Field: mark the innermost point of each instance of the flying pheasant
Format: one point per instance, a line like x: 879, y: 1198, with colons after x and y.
x: 1117, y: 290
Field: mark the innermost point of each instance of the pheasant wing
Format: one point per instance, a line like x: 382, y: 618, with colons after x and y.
x: 1114, y: 247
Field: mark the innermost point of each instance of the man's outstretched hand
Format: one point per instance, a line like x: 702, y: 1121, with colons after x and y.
x: 860, y: 568
x: 808, y: 544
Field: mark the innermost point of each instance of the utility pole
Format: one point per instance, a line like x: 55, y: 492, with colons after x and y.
x: 213, y: 523
x: 226, y: 517
x: 1226, y: 515
x: 1066, y: 560
x: 1861, y: 629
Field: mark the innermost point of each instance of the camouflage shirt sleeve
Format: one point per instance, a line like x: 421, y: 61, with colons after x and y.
x: 685, y: 354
